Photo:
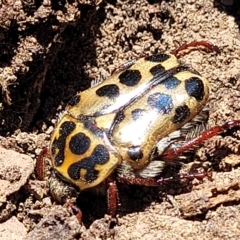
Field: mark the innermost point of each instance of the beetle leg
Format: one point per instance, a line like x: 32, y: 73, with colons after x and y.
x: 173, y: 154
x: 191, y: 176
x: 153, y: 182
x: 40, y: 163
x: 150, y: 182
x: 76, y: 210
x: 195, y: 45
x: 112, y: 198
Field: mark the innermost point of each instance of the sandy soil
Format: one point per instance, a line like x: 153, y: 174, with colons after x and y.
x: 49, y: 52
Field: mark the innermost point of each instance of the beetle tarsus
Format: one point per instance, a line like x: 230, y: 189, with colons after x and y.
x: 76, y: 210
x: 195, y: 45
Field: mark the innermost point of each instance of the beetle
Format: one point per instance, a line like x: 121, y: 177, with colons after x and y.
x: 128, y: 126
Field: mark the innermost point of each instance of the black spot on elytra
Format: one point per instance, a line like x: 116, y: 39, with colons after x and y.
x: 111, y: 91
x: 171, y: 83
x: 181, y: 114
x: 138, y: 113
x: 157, y: 70
x: 195, y: 88
x: 160, y: 57
x: 130, y: 78
x: 135, y: 153
x: 79, y: 143
x: 75, y: 100
x: 65, y: 129
x: 161, y: 102
x: 100, y: 156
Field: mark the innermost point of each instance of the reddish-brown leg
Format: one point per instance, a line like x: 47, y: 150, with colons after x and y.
x: 153, y: 182
x: 172, y: 154
x: 204, y: 45
x: 150, y: 182
x: 40, y: 164
x: 112, y: 197
x: 77, y: 211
